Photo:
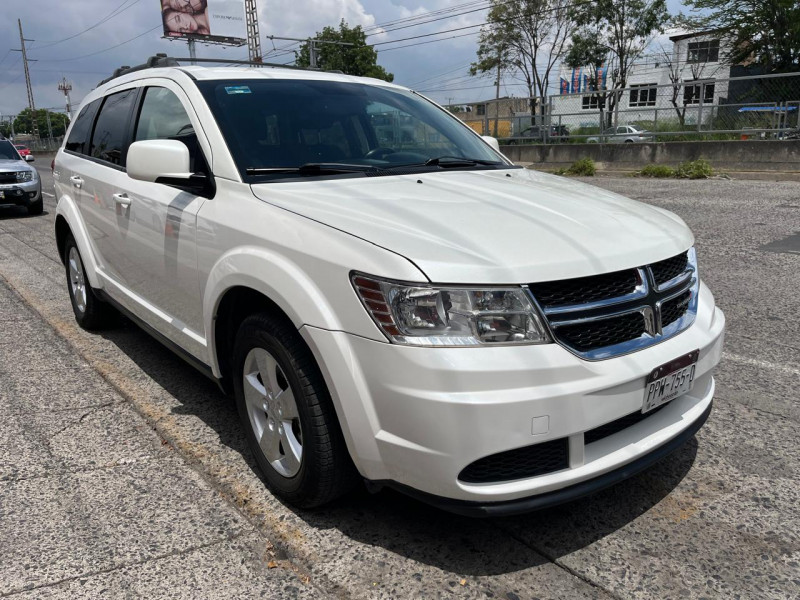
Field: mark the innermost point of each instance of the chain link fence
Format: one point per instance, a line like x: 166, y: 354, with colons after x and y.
x: 752, y: 107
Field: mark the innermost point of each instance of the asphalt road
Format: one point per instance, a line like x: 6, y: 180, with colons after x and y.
x: 122, y: 469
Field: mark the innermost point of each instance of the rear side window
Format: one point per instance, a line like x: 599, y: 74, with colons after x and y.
x: 110, y: 137
x: 78, y: 140
x: 162, y: 117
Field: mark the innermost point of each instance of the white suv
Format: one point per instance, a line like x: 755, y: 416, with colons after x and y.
x: 386, y: 295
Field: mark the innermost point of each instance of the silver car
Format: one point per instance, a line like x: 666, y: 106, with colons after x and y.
x: 623, y: 134
x: 19, y: 182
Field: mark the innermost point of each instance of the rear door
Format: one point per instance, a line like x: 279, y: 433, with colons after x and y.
x: 103, y: 175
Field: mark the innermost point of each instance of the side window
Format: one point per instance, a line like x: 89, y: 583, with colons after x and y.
x: 162, y: 117
x: 78, y: 140
x: 110, y: 133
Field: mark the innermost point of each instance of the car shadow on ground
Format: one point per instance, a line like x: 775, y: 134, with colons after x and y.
x: 405, y: 526
x: 8, y: 212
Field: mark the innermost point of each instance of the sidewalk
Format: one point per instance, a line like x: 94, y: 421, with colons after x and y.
x: 93, y: 502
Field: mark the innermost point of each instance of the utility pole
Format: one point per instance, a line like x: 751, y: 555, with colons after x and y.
x: 313, y: 50
x: 253, y: 37
x: 312, y: 53
x: 497, y: 96
x: 25, y: 59
x: 66, y: 87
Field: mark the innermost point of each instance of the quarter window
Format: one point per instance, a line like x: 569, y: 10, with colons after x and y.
x: 78, y: 140
x: 109, y: 141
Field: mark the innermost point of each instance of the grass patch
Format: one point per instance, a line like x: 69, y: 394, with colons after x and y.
x: 657, y: 171
x: 584, y: 167
x: 694, y: 169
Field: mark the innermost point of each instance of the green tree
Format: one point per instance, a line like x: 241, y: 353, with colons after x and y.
x: 525, y: 38
x: 764, y: 32
x: 355, y: 59
x: 58, y: 122
x: 613, y: 34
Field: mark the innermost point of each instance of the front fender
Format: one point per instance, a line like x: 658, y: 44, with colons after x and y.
x: 68, y: 209
x: 274, y: 276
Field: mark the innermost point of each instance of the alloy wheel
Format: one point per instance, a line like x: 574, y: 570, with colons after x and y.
x: 272, y: 411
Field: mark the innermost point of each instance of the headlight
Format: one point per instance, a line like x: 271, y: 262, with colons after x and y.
x: 24, y: 175
x: 423, y: 315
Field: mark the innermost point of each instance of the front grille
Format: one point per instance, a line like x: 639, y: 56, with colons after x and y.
x: 585, y: 289
x: 604, y: 431
x: 8, y: 177
x: 674, y: 309
x: 665, y: 270
x: 607, y: 315
x: 598, y: 334
x: 521, y: 463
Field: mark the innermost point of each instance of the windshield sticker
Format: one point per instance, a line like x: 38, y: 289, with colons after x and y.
x: 237, y: 89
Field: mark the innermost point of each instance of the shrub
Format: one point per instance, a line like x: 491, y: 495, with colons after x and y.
x: 694, y: 169
x: 659, y: 171
x: 584, y: 167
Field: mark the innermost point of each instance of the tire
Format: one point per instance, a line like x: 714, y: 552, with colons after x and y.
x: 91, y: 313
x: 36, y: 207
x: 288, y: 417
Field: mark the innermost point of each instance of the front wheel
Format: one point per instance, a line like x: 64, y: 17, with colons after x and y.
x: 288, y: 416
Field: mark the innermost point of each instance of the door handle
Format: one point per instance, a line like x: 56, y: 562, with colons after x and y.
x: 76, y: 181
x: 122, y: 200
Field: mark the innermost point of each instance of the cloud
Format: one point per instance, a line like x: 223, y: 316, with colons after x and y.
x: 134, y: 34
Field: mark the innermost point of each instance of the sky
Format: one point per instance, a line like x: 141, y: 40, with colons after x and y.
x: 76, y: 40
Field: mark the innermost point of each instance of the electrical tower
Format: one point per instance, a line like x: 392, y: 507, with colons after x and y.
x: 253, y: 37
x: 25, y: 61
x: 66, y: 87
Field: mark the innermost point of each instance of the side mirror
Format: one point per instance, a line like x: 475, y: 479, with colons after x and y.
x: 29, y: 158
x: 150, y: 160
x: 492, y: 142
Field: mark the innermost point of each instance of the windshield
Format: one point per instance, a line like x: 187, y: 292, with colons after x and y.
x: 7, y: 151
x: 275, y: 127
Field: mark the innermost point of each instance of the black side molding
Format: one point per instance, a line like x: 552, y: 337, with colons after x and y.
x: 163, y: 340
x: 546, y: 500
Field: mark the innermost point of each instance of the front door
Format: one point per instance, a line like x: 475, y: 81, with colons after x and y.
x: 158, y: 223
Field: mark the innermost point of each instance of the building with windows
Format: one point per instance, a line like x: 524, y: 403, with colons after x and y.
x: 679, y: 83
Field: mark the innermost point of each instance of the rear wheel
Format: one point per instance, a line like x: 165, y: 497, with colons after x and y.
x: 288, y: 416
x: 90, y: 312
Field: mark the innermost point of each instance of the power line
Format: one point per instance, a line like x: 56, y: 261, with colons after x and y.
x: 449, y: 16
x: 430, y: 41
x: 108, y: 17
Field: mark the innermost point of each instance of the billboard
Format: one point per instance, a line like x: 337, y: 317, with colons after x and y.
x: 219, y: 21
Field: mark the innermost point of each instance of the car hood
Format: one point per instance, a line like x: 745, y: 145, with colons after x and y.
x: 13, y: 165
x: 492, y: 226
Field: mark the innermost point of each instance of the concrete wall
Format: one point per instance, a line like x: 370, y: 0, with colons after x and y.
x: 778, y: 155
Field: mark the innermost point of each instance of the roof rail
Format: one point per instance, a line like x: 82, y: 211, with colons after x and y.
x: 159, y: 60
x: 162, y: 60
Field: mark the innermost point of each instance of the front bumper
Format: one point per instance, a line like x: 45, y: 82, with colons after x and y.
x: 417, y: 417
x: 21, y: 194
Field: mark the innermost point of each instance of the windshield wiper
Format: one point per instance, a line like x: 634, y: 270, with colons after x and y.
x: 311, y: 169
x: 458, y: 161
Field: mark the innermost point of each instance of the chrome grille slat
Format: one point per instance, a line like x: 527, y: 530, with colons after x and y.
x: 647, y: 314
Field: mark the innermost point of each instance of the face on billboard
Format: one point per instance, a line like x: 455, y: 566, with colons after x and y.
x: 221, y: 20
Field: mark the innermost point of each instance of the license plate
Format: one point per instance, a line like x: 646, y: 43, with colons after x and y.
x: 669, y: 381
